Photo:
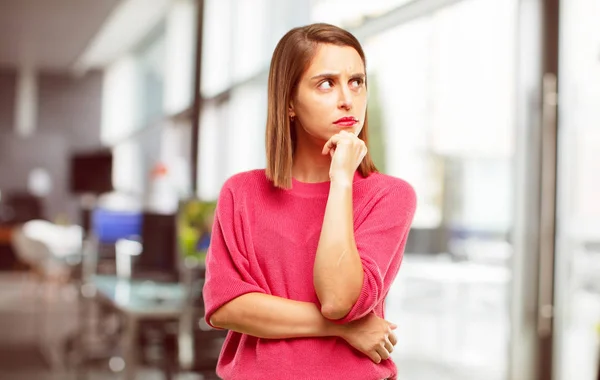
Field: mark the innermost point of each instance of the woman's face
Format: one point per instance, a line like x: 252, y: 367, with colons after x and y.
x: 331, y: 95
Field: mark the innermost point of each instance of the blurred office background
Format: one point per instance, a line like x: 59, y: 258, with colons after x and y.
x: 121, y: 119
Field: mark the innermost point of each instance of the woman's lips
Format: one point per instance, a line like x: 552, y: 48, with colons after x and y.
x: 346, y: 121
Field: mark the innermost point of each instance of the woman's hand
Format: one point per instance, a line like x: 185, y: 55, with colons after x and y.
x: 347, y: 152
x: 372, y: 336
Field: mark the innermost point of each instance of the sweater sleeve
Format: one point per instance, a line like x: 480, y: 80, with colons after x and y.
x: 380, y: 240
x: 228, y: 274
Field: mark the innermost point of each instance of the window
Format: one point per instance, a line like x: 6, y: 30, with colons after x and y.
x: 239, y: 38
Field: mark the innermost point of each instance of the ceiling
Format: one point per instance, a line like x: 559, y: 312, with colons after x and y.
x: 49, y: 34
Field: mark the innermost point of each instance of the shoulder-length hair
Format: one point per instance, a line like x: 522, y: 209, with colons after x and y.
x: 291, y: 58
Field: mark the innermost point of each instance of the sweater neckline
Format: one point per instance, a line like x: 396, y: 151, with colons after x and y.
x: 317, y: 188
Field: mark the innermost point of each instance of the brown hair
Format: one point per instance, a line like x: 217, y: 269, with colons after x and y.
x: 290, y: 60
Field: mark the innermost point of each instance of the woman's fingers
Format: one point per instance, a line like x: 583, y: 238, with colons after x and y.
x: 343, y: 135
x: 392, y: 338
x: 388, y: 345
x: 363, y: 151
x: 384, y: 354
x: 331, y: 143
x: 374, y: 356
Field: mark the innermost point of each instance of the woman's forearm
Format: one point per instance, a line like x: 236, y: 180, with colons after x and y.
x: 271, y: 317
x: 338, y: 271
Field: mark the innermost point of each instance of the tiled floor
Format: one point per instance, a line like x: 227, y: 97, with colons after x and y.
x: 429, y: 336
x: 453, y: 322
x: 451, y: 327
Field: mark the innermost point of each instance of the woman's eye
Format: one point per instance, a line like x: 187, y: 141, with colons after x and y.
x: 356, y: 82
x: 326, y: 85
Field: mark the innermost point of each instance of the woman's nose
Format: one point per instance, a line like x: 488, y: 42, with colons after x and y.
x: 345, y: 101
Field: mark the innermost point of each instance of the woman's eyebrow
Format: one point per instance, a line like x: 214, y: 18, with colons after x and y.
x: 336, y: 75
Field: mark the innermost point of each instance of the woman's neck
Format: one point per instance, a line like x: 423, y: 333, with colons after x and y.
x: 310, y: 165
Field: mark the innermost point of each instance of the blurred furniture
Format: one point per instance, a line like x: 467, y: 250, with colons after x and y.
x: 462, y: 290
x: 106, y: 228
x: 427, y: 240
x: 16, y: 208
x: 141, y: 288
x: 100, y: 325
x: 20, y: 207
x: 6, y: 234
x: 193, y: 347
x: 53, y: 252
x: 446, y: 272
x: 158, y: 259
x: 207, y: 342
x: 91, y: 172
x: 199, y: 345
x: 598, y: 352
x: 138, y: 301
x: 8, y: 259
x: 160, y: 320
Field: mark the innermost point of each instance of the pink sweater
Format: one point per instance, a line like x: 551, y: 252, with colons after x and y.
x: 264, y: 240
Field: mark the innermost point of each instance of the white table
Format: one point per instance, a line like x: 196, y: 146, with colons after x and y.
x: 455, y: 273
x: 455, y: 281
x: 139, y: 300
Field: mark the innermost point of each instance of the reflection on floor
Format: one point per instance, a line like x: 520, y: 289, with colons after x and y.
x: 581, y: 343
x: 452, y: 317
x: 454, y: 322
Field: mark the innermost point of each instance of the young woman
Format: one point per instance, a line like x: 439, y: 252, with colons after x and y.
x: 303, y: 253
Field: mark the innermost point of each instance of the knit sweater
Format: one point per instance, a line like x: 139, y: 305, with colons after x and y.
x: 265, y: 240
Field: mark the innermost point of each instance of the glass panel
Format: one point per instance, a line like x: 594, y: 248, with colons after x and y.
x: 443, y: 96
x: 249, y: 38
x: 180, y: 56
x: 128, y: 175
x: 120, y: 100
x: 338, y: 12
x: 175, y: 154
x: 245, y: 134
x: 210, y: 161
x: 216, y: 44
x: 239, y: 39
x: 151, y: 58
x: 232, y: 137
x: 578, y: 245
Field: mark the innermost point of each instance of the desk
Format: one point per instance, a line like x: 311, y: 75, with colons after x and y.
x: 8, y: 260
x: 139, y: 300
x: 6, y: 234
x: 455, y: 273
x: 451, y: 304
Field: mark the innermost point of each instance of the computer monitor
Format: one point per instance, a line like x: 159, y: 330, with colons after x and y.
x: 91, y: 172
x: 159, y: 248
